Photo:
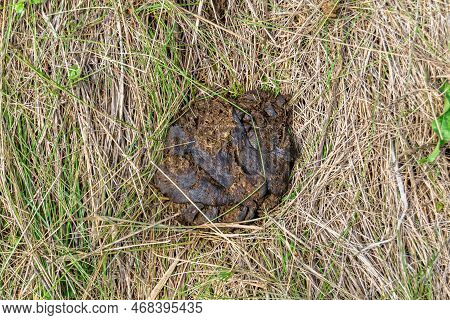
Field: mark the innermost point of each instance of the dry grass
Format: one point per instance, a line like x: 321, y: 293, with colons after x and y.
x: 88, y: 89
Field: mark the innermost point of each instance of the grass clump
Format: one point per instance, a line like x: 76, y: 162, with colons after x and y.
x: 87, y: 93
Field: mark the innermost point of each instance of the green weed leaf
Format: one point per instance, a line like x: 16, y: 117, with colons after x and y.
x: 74, y: 74
x: 441, y: 125
x: 19, y: 7
x: 224, y: 275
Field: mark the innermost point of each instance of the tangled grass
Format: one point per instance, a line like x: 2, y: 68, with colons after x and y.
x: 88, y: 89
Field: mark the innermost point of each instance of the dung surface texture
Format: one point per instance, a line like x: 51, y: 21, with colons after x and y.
x: 231, y: 158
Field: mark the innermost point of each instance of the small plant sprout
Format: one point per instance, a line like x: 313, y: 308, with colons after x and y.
x: 74, y: 74
x: 441, y: 125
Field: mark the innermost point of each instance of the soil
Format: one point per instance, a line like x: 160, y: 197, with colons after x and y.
x: 231, y: 158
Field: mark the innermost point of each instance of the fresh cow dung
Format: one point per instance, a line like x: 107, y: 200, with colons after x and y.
x: 229, y: 157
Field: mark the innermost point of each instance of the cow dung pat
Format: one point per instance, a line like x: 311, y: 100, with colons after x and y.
x: 230, y: 158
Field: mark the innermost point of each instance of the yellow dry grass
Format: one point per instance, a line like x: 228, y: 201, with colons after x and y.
x: 88, y: 89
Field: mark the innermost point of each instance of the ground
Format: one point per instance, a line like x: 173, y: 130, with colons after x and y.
x: 89, y: 89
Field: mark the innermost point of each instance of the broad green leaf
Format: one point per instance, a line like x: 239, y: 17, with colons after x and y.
x: 74, y: 73
x: 441, y: 126
x: 19, y: 6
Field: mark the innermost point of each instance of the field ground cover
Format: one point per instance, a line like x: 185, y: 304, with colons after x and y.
x: 89, y: 88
